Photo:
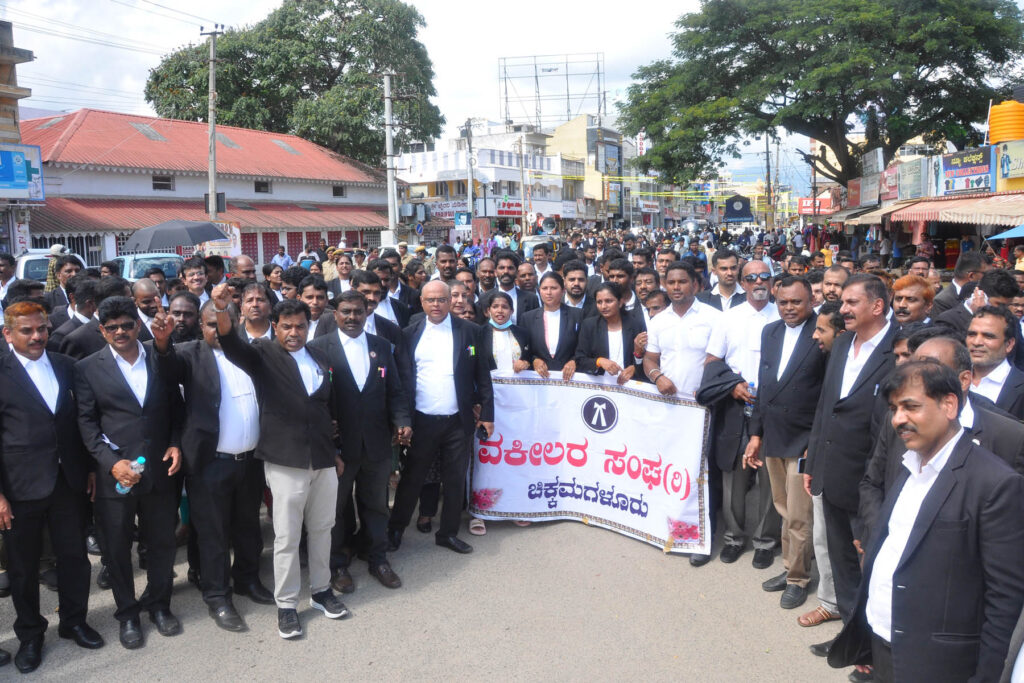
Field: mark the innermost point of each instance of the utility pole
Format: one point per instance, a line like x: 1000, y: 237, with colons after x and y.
x: 389, y: 151
x: 769, y: 222
x: 522, y: 187
x: 212, y: 97
x: 469, y: 168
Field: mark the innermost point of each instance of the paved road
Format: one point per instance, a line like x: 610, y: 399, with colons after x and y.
x: 553, y: 600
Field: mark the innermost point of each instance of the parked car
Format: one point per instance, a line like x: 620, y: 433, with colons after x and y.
x: 134, y: 266
x: 32, y: 264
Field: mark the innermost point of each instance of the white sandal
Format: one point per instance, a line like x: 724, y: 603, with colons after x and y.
x: 477, y: 527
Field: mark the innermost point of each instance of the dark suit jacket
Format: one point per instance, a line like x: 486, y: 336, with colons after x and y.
x: 706, y: 297
x: 58, y: 335
x: 56, y: 297
x: 84, y: 341
x: 959, y: 585
x: 472, y: 372
x: 945, y: 300
x: 1011, y: 396
x: 402, y: 312
x: 568, y: 335
x: 784, y: 410
x: 844, y: 430
x: 593, y: 344
x: 486, y: 344
x: 411, y: 298
x: 326, y: 325
x: 295, y: 427
x: 37, y: 446
x: 365, y: 417
x: 957, y: 319
x: 107, y: 406
x: 589, y: 309
x: 58, y: 316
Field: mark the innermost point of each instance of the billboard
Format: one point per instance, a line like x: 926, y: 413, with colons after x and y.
x: 890, y: 188
x: 21, y: 172
x: 967, y: 171
x: 228, y: 248
x: 913, y: 176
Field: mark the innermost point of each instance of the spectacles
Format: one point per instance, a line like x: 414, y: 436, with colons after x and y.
x: 435, y: 300
x: 754, y: 277
x: 124, y: 327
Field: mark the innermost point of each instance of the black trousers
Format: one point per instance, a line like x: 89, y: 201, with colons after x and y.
x: 158, y: 517
x: 432, y: 436
x: 881, y: 660
x: 370, y: 476
x: 841, y: 527
x: 224, y: 500
x: 63, y: 514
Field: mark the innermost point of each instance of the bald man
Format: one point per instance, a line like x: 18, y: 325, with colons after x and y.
x: 147, y: 300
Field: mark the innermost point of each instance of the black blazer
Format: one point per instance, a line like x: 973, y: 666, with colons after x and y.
x: 410, y: 296
x: 959, y: 585
x: 784, y: 409
x: 58, y: 316
x: 107, y: 406
x: 84, y: 341
x: 36, y: 446
x: 486, y: 344
x: 1011, y: 396
x: 593, y: 343
x: 326, y: 325
x: 365, y: 417
x: 295, y: 427
x: 58, y: 335
x: 401, y: 310
x: 844, y: 431
x: 472, y: 372
x: 706, y: 297
x: 945, y: 300
x: 568, y: 335
x: 56, y: 297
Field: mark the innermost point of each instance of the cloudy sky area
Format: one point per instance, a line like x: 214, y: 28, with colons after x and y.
x: 76, y: 66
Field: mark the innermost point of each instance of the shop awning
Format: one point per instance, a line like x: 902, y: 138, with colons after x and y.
x: 846, y: 214
x: 875, y: 217
x: 66, y: 215
x: 1000, y: 209
x: 930, y: 210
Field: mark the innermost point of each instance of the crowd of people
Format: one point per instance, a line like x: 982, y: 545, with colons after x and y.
x: 865, y: 420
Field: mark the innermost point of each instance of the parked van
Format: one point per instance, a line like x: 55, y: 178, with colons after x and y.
x: 32, y: 264
x: 134, y: 266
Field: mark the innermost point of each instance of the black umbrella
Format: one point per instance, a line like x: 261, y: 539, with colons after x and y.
x: 167, y: 236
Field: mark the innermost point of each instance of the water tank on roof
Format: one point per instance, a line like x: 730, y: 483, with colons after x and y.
x: 1006, y: 122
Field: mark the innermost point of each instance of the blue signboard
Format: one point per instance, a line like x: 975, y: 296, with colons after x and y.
x: 21, y: 174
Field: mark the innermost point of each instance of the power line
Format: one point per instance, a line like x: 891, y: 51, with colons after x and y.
x: 187, y: 22
x: 82, y: 39
x: 88, y: 32
x: 37, y: 81
x: 194, y: 16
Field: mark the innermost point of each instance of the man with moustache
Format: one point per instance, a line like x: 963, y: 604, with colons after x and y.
x: 147, y: 300
x: 526, y: 279
x: 912, y: 298
x: 184, y: 311
x: 991, y: 342
x: 486, y: 273
x: 832, y: 282
x: 575, y: 274
x: 255, y: 321
x: 522, y: 301
x: 725, y: 264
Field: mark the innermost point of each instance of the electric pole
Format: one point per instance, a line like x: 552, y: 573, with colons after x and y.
x: 212, y: 97
x: 389, y: 151
x: 522, y: 187
x: 469, y: 168
x: 768, y: 216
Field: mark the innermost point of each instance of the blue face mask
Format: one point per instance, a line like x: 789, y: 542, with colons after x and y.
x: 504, y: 326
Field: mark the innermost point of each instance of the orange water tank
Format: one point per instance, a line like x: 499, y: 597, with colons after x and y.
x: 1006, y: 122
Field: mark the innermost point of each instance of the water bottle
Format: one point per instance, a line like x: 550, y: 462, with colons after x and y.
x: 748, y: 407
x: 138, y: 465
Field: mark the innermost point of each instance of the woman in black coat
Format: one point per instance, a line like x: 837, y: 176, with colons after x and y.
x: 503, y: 345
x: 553, y: 329
x: 608, y: 341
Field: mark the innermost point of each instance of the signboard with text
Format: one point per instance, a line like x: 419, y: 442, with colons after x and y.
x: 967, y: 171
x: 21, y: 172
x: 913, y: 176
x: 1011, y: 159
x: 806, y: 206
x: 889, y: 188
x: 853, y: 193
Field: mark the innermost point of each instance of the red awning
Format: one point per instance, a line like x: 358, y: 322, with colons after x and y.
x: 64, y: 215
x: 930, y: 210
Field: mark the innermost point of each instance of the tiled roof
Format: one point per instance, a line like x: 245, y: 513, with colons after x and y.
x: 112, y: 140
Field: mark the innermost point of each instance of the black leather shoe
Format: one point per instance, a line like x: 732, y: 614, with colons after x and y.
x: 730, y: 553
x: 30, y: 655
x: 699, y: 560
x: 131, y: 634
x: 763, y: 558
x: 256, y: 592
x: 103, y: 578
x: 454, y: 543
x: 166, y: 623
x: 776, y: 583
x: 821, y: 649
x: 860, y: 676
x: 5, y: 586
x: 386, y: 575
x: 227, y: 618
x: 92, y: 545
x: 793, y: 597
x: 5, y: 657
x: 83, y: 635
x: 341, y: 581
x: 424, y: 527
x: 394, y: 539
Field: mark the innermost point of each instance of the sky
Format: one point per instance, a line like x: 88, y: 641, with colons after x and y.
x: 464, y: 43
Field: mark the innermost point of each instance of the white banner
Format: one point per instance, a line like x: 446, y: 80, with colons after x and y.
x: 624, y: 458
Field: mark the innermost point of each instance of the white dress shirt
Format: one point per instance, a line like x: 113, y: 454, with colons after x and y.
x: 239, y: 413
x: 789, y: 340
x: 901, y: 523
x: 384, y: 309
x: 967, y: 414
x: 682, y: 342
x: 435, y: 369
x: 75, y: 314
x: 856, y: 363
x: 134, y: 373
x: 552, y: 323
x: 504, y: 349
x: 42, y: 375
x: 737, y: 337
x: 370, y: 326
x: 726, y: 300
x: 311, y: 332
x: 146, y: 320
x: 991, y: 384
x: 395, y: 294
x: 615, y: 351
x: 631, y: 304
x: 357, y: 353
x: 312, y: 375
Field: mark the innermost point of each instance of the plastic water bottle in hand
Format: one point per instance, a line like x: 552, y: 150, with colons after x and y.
x: 748, y: 407
x: 138, y: 465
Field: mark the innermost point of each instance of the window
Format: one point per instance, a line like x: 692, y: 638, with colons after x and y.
x: 163, y: 182
x: 460, y: 187
x: 440, y: 189
x: 261, y: 186
x: 338, y: 190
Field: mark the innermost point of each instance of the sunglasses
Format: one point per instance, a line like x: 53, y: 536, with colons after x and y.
x: 754, y: 277
x: 123, y: 327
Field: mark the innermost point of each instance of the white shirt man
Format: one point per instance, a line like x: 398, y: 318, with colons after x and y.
x: 856, y: 362
x: 682, y: 342
x: 737, y: 338
x: 385, y: 310
x: 992, y: 384
x: 239, y: 413
x: 134, y: 373
x: 42, y: 375
x: 435, y: 369
x: 357, y: 353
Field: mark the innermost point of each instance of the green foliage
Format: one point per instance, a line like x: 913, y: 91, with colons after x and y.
x: 311, y: 68
x: 892, y: 68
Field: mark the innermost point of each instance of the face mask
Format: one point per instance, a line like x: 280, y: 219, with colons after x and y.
x: 504, y: 326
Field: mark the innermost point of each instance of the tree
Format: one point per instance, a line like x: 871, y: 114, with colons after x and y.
x: 311, y: 68
x: 892, y: 68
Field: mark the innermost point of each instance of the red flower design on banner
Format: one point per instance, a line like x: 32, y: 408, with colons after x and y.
x: 485, y: 499
x: 682, y: 531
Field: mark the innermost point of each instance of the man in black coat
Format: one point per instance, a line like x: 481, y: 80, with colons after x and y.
x: 992, y: 343
x: 126, y: 411
x: 82, y: 290
x: 448, y: 380
x: 44, y: 472
x: 88, y: 339
x: 369, y: 407
x: 944, y: 574
x: 522, y: 301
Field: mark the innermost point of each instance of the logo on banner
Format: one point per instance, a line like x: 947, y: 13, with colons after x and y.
x: 600, y: 414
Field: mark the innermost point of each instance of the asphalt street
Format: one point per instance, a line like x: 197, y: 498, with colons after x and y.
x: 557, y: 600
